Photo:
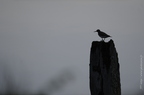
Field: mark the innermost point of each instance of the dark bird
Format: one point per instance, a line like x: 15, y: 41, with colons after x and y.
x: 102, y: 34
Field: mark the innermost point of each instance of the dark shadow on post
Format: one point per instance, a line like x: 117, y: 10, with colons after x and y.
x: 104, y: 69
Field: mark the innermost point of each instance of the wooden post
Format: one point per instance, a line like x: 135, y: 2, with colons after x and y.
x: 104, y: 69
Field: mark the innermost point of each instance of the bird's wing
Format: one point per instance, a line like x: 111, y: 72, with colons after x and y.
x: 104, y: 34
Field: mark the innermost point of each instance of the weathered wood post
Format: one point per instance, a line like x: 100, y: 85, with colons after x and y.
x: 104, y: 69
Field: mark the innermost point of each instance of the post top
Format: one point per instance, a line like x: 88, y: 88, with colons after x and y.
x: 111, y: 41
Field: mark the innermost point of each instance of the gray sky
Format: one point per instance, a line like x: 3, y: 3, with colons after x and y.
x: 40, y: 38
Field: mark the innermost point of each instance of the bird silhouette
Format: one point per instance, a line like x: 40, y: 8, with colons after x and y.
x: 102, y: 34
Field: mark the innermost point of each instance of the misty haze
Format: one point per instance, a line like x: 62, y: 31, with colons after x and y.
x: 45, y: 44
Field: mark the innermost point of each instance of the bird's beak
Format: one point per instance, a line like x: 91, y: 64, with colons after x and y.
x: 95, y: 31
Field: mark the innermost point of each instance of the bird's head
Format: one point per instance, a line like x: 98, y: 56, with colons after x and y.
x: 98, y: 30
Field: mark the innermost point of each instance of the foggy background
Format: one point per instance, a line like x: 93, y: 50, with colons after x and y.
x: 42, y: 40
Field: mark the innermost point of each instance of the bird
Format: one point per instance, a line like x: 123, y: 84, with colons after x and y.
x: 102, y: 34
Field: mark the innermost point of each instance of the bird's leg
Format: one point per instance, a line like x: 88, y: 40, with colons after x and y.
x: 104, y: 38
